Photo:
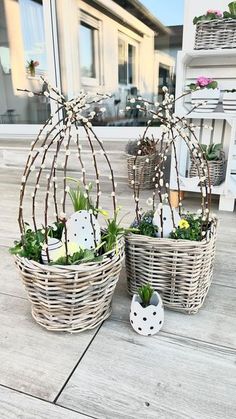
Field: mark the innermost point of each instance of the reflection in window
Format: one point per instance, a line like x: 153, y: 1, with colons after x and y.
x: 31, y: 13
x: 126, y: 62
x: 87, y: 47
x: 21, y: 40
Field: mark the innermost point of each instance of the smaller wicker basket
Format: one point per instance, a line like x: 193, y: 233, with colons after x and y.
x: 181, y: 270
x: 71, y: 298
x: 144, y: 170
x: 216, y: 170
x: 216, y: 34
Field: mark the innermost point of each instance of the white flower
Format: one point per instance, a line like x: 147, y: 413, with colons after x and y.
x: 165, y: 89
x: 149, y: 202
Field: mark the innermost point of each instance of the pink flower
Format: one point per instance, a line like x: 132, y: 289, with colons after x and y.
x: 36, y: 63
x: 216, y: 12
x: 203, y: 81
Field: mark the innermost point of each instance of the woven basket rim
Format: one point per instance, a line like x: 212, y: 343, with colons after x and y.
x: 225, y: 19
x: 166, y: 240
x: 82, y: 267
x: 141, y: 157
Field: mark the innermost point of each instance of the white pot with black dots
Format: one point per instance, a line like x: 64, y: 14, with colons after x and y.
x: 83, y: 229
x: 148, y: 320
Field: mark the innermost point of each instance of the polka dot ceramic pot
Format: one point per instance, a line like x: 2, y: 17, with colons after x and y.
x: 148, y: 320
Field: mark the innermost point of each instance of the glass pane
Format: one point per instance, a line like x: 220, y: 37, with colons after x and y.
x: 87, y: 64
x: 22, y: 41
x: 131, y: 63
x: 122, y: 62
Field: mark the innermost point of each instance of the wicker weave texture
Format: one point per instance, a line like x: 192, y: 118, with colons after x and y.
x: 216, y: 34
x: 144, y: 170
x: 71, y: 298
x: 216, y: 170
x: 180, y: 270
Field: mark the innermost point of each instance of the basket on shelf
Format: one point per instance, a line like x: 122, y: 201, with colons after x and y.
x: 71, y: 292
x: 179, y: 267
x: 144, y: 170
x: 215, y: 34
x: 216, y: 170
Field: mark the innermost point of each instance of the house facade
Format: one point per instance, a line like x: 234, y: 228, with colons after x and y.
x: 95, y: 45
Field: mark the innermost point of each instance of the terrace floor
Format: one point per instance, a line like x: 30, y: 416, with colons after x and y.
x: 186, y: 371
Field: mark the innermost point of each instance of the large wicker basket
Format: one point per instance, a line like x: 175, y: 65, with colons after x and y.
x: 71, y: 298
x: 180, y: 270
x: 144, y: 170
x: 216, y: 170
x: 216, y: 34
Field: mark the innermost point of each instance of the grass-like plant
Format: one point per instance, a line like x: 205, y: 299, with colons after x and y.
x: 145, y: 294
x: 79, y: 198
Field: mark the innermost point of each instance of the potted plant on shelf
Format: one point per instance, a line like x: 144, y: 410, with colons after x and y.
x: 216, y: 29
x: 68, y: 264
x: 215, y: 157
x: 31, y: 67
x: 146, y: 312
x: 173, y: 249
x: 144, y: 162
x: 229, y: 101
x: 204, y: 94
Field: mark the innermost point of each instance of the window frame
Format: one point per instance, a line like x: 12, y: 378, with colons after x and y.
x: 95, y: 25
x: 129, y: 41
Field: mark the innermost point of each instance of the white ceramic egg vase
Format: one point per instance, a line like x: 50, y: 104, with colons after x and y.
x: 83, y: 229
x: 53, y: 246
x: 167, y: 220
x: 148, y: 320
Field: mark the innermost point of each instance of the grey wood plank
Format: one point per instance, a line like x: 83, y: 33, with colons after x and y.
x: 32, y: 359
x: 14, y: 405
x: 215, y: 322
x: 125, y: 375
x: 10, y: 282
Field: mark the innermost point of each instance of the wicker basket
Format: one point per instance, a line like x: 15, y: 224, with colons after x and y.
x: 71, y: 298
x: 216, y: 34
x: 180, y: 270
x: 216, y: 170
x: 144, y: 170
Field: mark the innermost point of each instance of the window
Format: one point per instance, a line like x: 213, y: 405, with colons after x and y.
x: 22, y: 39
x: 127, y: 61
x: 89, y: 49
x: 87, y: 62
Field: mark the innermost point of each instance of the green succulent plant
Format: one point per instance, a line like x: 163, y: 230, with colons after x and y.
x: 212, y: 151
x: 145, y: 294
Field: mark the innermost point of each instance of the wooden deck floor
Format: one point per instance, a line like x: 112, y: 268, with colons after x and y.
x: 186, y: 371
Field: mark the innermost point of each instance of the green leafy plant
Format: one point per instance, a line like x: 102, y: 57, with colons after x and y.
x: 232, y: 11
x: 145, y: 225
x: 112, y: 233
x: 30, y: 245
x: 189, y: 228
x: 145, y: 294
x: 203, y: 82
x: 83, y: 256
x: 209, y: 15
x: 212, y: 151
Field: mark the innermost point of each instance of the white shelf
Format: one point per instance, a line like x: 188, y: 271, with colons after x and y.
x: 221, y: 66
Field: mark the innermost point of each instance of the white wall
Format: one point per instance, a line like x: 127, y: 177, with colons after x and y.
x: 196, y: 8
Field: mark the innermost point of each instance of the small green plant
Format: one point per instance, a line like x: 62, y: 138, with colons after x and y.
x: 79, y: 197
x: 232, y: 11
x: 145, y: 225
x: 30, y: 245
x: 83, y: 256
x: 212, y: 151
x: 145, y: 294
x: 189, y: 228
x: 112, y: 233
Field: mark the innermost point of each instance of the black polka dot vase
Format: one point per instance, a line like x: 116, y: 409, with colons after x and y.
x: 148, y: 320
